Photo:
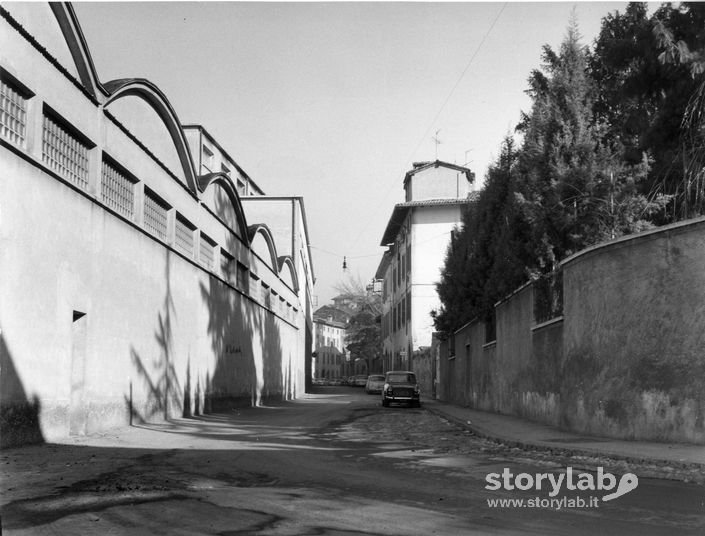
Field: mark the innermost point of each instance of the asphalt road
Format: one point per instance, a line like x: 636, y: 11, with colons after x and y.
x: 332, y: 463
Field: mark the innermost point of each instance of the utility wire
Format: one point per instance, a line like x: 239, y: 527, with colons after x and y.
x: 377, y: 254
x: 460, y: 78
x: 440, y: 111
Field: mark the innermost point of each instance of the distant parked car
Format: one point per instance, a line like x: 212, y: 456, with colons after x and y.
x: 400, y: 386
x: 360, y: 380
x: 375, y: 383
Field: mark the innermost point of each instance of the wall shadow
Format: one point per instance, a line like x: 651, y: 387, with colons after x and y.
x: 246, y: 341
x: 251, y: 364
x: 186, y: 412
x: 19, y: 415
x: 157, y: 374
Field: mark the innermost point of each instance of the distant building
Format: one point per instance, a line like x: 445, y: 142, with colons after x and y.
x: 417, y: 237
x: 345, y: 302
x: 331, y: 312
x: 330, y: 356
x: 331, y: 360
x: 136, y: 283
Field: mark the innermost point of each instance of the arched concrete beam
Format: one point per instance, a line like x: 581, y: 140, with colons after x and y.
x: 153, y: 96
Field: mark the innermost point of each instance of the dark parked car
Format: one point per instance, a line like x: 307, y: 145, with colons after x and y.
x: 375, y: 383
x: 401, y: 386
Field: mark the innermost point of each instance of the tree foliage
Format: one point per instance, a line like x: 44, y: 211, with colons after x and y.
x: 363, y: 335
x: 613, y: 144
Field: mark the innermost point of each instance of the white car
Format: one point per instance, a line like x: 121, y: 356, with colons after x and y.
x: 375, y: 383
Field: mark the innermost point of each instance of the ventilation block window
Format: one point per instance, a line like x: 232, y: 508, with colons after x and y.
x: 64, y: 152
x: 13, y: 112
x: 155, y: 215
x: 117, y: 190
x: 184, y: 236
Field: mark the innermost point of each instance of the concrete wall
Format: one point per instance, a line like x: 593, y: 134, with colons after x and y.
x: 423, y: 364
x: 634, y: 344
x: 101, y: 321
x: 142, y: 121
x: 626, y: 359
x: 157, y: 332
x: 437, y: 183
x: 514, y: 318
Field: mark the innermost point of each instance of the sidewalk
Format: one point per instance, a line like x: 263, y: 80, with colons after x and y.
x: 528, y: 434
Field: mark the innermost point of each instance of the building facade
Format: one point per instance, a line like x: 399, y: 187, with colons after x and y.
x: 135, y: 286
x: 331, y: 360
x: 210, y: 157
x: 417, y: 237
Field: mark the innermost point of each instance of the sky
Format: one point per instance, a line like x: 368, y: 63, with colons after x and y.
x: 334, y: 101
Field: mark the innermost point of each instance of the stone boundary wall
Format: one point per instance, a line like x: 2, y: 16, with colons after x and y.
x: 627, y: 357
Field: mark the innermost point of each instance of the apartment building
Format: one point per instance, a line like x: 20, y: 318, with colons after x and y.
x: 416, y: 237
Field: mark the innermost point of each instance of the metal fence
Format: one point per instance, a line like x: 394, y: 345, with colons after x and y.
x: 548, y: 297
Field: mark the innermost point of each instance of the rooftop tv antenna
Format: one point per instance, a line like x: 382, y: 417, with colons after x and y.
x: 437, y: 141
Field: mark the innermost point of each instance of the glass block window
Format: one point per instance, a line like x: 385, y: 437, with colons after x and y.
x: 13, y: 113
x: 206, y: 251
x: 65, y: 153
x: 184, y: 236
x: 155, y: 215
x: 117, y: 190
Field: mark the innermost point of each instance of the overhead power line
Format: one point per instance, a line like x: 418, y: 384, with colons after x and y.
x: 376, y: 254
x: 440, y: 111
x: 460, y: 79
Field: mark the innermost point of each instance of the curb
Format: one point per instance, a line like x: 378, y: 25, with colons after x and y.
x: 568, y: 451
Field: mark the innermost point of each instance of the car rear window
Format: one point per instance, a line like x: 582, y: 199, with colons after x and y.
x: 376, y: 378
x: 401, y: 378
